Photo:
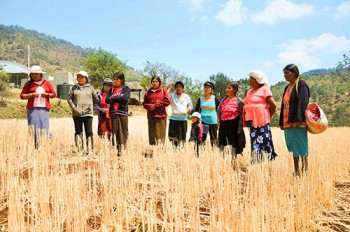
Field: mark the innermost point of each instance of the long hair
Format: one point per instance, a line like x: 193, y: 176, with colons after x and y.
x: 234, y: 86
x: 154, y: 77
x: 120, y: 76
x: 292, y: 68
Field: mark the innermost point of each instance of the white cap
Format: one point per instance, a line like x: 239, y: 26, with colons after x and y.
x: 83, y: 73
x: 259, y: 76
x: 35, y: 69
x: 196, y: 114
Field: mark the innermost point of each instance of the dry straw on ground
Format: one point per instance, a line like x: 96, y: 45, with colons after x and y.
x: 55, y: 189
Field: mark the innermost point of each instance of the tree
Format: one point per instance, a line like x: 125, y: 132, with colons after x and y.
x: 345, y: 64
x: 169, y: 75
x: 220, y: 81
x: 102, y: 64
x: 166, y: 73
x: 4, y: 79
x: 243, y: 87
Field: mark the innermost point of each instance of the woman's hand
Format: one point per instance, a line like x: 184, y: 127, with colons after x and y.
x: 45, y: 94
x: 34, y: 95
x: 152, y: 107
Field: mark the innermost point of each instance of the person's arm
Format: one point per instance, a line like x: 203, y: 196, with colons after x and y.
x: 303, y: 101
x: 94, y: 96
x: 25, y: 95
x: 98, y: 104
x: 189, y: 104
x: 123, y: 98
x: 240, y: 122
x: 145, y: 102
x: 71, y: 97
x: 200, y: 132
x: 198, y: 106
x: 272, y: 105
x: 217, y: 102
x: 171, y: 86
x: 165, y: 101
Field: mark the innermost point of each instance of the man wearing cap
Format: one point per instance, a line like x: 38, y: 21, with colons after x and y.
x: 82, y: 98
x: 104, y: 121
x: 207, y: 105
x: 181, y: 105
x: 258, y: 109
x: 38, y: 93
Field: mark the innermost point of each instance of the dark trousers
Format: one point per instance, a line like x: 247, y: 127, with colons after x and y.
x: 79, y: 122
x: 228, y: 134
x: 177, y: 131
x: 213, y: 132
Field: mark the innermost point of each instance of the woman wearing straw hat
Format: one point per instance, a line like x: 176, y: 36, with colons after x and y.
x: 292, y: 117
x: 259, y: 107
x: 82, y: 98
x: 38, y: 93
x: 104, y: 121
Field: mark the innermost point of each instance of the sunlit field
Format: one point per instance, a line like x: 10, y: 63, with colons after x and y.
x: 55, y: 188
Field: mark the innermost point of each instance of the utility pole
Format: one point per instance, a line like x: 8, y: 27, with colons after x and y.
x: 28, y: 56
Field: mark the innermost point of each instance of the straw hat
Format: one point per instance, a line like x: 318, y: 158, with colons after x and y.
x: 36, y: 69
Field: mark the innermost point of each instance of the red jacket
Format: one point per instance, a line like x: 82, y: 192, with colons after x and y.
x: 32, y: 88
x: 160, y: 99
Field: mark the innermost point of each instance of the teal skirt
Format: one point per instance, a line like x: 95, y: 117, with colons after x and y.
x: 297, y: 141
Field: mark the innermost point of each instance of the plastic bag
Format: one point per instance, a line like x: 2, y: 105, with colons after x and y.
x: 316, y: 120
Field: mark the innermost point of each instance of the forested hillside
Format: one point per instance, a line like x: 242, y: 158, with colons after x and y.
x: 52, y: 53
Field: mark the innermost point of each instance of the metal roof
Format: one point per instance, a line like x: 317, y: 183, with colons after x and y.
x: 13, y: 67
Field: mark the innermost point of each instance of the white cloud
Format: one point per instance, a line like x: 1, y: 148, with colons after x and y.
x: 343, y: 11
x: 194, y: 5
x: 282, y: 9
x: 326, y: 9
x: 267, y: 64
x: 309, y: 53
x: 232, y: 14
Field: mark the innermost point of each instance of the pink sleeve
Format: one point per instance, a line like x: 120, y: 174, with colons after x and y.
x: 267, y: 92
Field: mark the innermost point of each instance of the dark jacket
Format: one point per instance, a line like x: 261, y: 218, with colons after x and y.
x: 122, y: 99
x: 196, y: 132
x: 298, y: 103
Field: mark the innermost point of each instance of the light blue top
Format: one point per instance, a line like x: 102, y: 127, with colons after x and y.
x: 180, y: 106
x: 208, y: 111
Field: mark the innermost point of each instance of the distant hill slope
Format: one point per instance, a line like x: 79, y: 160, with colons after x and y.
x: 330, y: 89
x: 52, y: 53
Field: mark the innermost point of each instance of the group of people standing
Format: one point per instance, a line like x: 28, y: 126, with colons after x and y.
x: 222, y: 120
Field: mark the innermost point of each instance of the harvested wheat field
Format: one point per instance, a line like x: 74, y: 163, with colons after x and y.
x: 55, y: 188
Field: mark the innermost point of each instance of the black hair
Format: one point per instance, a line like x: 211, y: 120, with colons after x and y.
x: 30, y: 81
x: 210, y: 84
x: 234, y: 86
x: 120, y: 76
x: 154, y: 77
x: 179, y: 83
x: 292, y: 68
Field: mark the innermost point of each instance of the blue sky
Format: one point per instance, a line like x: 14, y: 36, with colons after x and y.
x: 197, y: 37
